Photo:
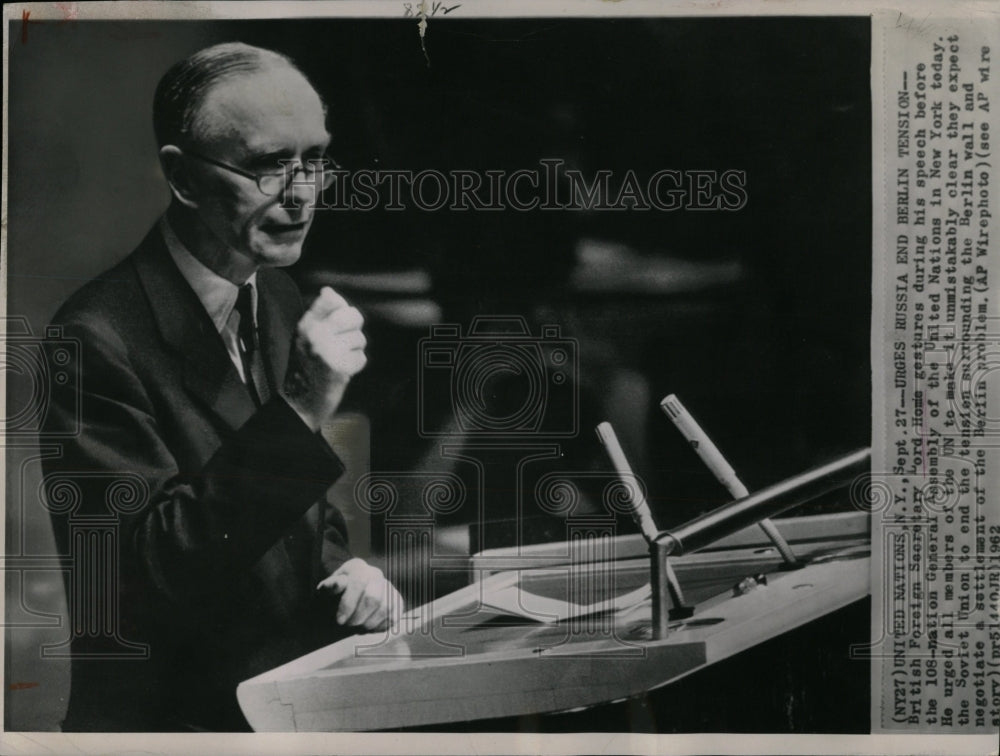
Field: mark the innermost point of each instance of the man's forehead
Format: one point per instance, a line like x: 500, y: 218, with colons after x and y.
x: 265, y: 109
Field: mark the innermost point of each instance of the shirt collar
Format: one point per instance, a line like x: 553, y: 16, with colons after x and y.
x: 217, y: 294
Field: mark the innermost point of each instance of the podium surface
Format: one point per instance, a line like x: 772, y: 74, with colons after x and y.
x: 564, y: 634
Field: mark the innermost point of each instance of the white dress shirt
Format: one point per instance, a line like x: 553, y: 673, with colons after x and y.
x: 217, y: 294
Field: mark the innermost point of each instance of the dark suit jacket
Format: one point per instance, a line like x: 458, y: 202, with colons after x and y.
x: 221, y: 529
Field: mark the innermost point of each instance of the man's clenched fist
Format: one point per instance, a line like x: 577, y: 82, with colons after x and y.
x: 367, y: 599
x: 329, y: 349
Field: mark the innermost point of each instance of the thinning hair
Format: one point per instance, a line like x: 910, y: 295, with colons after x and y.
x: 184, y: 87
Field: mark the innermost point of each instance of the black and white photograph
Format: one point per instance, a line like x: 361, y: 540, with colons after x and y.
x: 433, y: 371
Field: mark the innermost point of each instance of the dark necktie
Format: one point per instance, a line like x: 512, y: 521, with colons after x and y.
x: 249, y: 347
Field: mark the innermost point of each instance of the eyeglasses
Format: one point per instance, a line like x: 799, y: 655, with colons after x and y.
x: 274, y: 183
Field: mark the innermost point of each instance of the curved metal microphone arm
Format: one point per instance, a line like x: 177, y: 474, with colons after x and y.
x: 702, y: 531
x: 705, y: 529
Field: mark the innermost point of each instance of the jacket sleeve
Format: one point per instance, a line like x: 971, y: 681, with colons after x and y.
x: 335, y: 548
x: 187, y: 535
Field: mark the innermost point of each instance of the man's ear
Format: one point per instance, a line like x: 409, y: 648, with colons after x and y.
x: 175, y: 168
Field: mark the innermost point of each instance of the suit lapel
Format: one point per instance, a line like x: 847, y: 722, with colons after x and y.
x: 209, y: 374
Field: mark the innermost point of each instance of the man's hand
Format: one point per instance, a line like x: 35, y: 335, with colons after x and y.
x: 367, y: 599
x: 329, y: 349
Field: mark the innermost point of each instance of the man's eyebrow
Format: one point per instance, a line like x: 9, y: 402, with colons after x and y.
x: 267, y: 155
x: 268, y: 158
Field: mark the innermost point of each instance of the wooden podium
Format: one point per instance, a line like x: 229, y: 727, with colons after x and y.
x: 549, y: 628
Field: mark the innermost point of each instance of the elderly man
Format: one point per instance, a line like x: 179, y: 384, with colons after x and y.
x: 202, y: 378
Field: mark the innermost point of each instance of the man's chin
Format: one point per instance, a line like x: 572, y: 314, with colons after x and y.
x: 272, y: 254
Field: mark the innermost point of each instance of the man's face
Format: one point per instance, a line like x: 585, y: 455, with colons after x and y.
x: 252, y: 122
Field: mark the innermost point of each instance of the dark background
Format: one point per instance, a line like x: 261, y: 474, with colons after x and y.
x: 773, y: 360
